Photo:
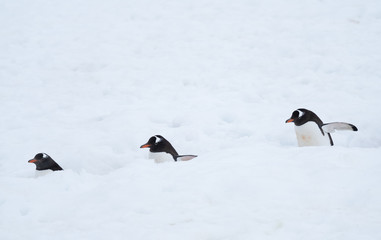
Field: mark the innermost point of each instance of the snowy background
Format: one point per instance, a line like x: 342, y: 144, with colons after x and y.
x: 88, y: 82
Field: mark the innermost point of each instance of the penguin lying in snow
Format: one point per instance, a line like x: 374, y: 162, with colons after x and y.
x: 311, y: 131
x: 161, y: 150
x: 44, y: 162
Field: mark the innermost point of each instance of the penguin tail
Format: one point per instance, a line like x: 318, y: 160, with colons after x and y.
x: 333, y: 126
x: 185, y: 157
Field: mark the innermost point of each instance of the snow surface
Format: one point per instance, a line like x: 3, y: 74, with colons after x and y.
x: 88, y: 82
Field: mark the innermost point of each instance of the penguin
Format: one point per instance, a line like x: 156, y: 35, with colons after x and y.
x: 311, y: 131
x: 44, y: 162
x: 161, y: 150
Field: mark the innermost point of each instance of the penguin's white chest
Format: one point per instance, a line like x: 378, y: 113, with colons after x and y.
x: 40, y: 173
x: 160, y: 157
x: 309, y: 134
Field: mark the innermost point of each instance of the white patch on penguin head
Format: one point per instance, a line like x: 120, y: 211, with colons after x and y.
x: 157, y: 139
x: 44, y: 155
x: 301, y: 113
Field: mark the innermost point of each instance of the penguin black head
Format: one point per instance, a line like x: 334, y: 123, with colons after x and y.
x: 158, y: 144
x: 44, y: 162
x: 302, y: 115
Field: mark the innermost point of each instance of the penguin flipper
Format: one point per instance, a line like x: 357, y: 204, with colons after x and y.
x: 185, y: 157
x: 331, y: 127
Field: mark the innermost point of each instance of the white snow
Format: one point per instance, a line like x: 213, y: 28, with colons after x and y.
x: 88, y: 82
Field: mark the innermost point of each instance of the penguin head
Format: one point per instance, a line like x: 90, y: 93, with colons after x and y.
x: 156, y: 143
x: 302, y: 115
x: 44, y: 162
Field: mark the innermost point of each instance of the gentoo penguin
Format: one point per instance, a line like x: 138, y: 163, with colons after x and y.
x: 311, y: 131
x: 161, y: 150
x: 44, y: 162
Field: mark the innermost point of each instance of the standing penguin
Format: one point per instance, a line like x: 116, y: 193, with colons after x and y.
x: 44, y: 162
x: 161, y: 150
x: 311, y: 131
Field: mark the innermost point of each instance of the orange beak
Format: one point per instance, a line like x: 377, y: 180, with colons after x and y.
x: 289, y: 120
x: 32, y: 161
x: 145, y: 146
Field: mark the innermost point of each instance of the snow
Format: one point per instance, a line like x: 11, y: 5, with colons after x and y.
x: 88, y: 82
